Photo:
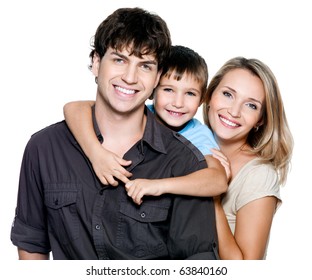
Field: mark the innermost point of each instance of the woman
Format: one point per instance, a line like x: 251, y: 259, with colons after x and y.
x: 244, y: 109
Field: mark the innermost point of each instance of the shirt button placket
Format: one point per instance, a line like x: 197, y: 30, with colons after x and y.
x: 97, y: 231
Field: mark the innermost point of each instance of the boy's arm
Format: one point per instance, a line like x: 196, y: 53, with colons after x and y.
x: 107, y: 165
x: 211, y: 181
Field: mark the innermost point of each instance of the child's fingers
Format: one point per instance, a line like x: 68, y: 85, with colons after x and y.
x: 123, y: 162
x: 218, y: 153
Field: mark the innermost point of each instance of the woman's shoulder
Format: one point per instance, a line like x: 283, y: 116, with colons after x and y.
x: 256, y: 180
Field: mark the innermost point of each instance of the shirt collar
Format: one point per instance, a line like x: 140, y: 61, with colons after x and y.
x: 153, y: 133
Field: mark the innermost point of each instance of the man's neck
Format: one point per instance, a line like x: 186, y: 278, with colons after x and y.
x: 120, y: 132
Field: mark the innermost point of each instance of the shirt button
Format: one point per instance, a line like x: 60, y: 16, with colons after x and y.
x: 143, y: 215
x: 97, y: 227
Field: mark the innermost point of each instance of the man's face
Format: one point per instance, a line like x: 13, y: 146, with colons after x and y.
x: 125, y: 81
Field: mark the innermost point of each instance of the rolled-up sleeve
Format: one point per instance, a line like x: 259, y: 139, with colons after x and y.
x: 28, y: 230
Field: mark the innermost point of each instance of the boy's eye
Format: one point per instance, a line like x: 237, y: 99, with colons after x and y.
x: 190, y: 93
x: 168, y: 89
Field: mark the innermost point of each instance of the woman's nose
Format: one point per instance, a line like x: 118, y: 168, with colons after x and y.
x: 234, y: 111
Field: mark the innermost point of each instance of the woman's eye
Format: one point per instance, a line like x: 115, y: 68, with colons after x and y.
x: 252, y: 106
x: 225, y: 93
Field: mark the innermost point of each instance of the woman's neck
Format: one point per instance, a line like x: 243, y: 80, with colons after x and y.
x: 238, y: 154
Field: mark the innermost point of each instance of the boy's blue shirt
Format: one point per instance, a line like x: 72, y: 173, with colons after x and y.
x: 199, y: 134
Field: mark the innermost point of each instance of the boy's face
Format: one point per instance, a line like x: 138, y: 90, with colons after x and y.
x: 125, y: 81
x: 176, y: 102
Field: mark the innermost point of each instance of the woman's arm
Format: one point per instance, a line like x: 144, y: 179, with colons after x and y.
x: 107, y: 165
x: 253, y: 224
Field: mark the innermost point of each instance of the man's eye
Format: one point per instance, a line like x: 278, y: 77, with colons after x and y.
x: 118, y: 60
x: 146, y: 67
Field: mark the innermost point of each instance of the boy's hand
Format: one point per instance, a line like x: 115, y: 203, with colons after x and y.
x: 108, y: 167
x: 224, y: 161
x: 137, y: 188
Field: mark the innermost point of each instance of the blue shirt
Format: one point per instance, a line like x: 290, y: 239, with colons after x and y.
x: 199, y: 134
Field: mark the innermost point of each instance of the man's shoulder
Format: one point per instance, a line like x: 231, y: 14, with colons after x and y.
x: 193, y: 150
x: 49, y: 130
x: 49, y: 133
x: 170, y: 142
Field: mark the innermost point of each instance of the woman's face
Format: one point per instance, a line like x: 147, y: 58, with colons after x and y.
x: 236, y: 106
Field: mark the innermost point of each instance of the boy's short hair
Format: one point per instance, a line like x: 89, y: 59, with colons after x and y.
x: 183, y: 60
x: 141, y: 31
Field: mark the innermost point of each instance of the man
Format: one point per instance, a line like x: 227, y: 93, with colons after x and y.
x: 63, y: 207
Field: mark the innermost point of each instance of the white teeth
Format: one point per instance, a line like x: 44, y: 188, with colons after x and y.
x: 175, y: 113
x: 229, y: 122
x: 125, y: 91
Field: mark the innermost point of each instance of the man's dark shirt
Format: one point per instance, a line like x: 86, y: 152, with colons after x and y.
x: 63, y: 207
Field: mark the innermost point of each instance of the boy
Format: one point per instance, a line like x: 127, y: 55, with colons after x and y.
x: 181, y: 90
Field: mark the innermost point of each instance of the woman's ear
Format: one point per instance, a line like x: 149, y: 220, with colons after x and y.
x: 258, y: 124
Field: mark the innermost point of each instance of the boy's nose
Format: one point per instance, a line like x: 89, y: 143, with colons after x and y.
x: 178, y: 101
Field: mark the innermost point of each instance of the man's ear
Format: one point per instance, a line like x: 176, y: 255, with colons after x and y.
x: 157, y: 79
x: 152, y: 95
x: 95, y: 64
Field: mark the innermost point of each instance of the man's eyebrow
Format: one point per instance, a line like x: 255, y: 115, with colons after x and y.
x: 154, y: 62
x: 119, y: 54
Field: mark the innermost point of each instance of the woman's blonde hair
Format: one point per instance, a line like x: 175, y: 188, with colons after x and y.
x: 272, y: 141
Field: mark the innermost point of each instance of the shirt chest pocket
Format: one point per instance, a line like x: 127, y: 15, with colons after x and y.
x: 142, y: 230
x: 61, y: 205
x: 147, y: 213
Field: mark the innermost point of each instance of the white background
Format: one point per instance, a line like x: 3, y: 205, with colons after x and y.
x: 44, y: 58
